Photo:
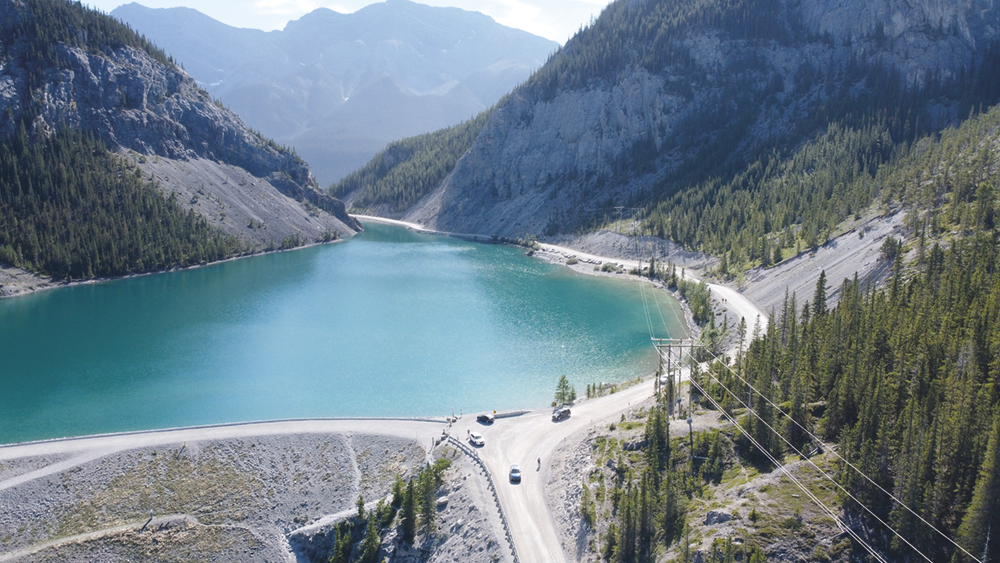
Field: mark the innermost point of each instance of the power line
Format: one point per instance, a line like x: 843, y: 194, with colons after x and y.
x: 799, y: 453
x: 871, y: 550
x: 848, y: 463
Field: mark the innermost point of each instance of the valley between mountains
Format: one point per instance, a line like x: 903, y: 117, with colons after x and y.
x: 828, y: 168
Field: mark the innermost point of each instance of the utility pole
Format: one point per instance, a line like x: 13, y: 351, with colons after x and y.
x: 668, y: 348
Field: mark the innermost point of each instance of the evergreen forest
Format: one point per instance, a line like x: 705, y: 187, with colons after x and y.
x: 71, y: 209
x: 897, y: 384
x: 409, y: 169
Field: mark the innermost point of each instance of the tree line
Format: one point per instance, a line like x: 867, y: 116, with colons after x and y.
x: 904, y: 378
x: 39, y: 27
x: 412, y: 509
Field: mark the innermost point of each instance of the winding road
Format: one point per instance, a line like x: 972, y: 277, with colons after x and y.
x: 526, y: 438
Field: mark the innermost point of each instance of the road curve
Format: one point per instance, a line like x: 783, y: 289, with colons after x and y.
x: 527, y: 438
x: 523, y: 440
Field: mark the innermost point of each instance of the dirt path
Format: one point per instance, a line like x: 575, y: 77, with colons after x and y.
x: 96, y: 534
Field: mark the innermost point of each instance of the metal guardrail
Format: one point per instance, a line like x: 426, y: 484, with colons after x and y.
x: 496, y: 497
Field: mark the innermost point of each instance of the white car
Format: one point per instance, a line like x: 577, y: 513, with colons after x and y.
x: 476, y: 439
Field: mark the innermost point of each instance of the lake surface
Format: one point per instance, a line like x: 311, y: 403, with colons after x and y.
x: 389, y: 323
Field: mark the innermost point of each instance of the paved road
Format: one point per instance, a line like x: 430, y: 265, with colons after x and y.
x: 524, y: 439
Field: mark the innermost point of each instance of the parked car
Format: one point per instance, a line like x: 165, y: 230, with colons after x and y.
x: 515, y: 473
x: 487, y: 418
x: 476, y: 439
x: 560, y: 414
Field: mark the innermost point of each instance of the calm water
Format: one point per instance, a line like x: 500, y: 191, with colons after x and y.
x: 390, y: 323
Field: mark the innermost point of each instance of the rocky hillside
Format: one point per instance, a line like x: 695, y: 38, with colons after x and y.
x: 338, y: 87
x: 669, y: 106
x: 64, y: 68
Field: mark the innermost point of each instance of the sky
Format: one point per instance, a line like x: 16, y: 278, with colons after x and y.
x: 557, y: 20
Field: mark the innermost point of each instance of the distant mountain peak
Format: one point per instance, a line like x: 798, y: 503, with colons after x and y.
x: 303, y: 85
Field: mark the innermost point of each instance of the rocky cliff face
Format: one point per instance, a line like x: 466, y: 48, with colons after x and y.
x: 553, y: 159
x: 142, y: 107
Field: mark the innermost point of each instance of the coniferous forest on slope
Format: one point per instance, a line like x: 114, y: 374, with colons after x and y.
x: 409, y: 169
x: 900, y: 379
x: 906, y: 376
x: 72, y: 210
x: 69, y: 207
x: 903, y: 378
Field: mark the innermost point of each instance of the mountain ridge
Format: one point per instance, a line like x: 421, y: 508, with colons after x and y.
x: 429, y: 67
x: 655, y: 97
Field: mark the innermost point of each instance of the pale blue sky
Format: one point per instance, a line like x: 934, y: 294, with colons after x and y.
x: 557, y: 20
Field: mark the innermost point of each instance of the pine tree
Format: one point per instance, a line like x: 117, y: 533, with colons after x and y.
x: 980, y: 529
x: 361, y: 506
x: 565, y: 393
x: 819, y: 297
x: 409, y: 519
x: 371, y: 544
x: 342, y: 542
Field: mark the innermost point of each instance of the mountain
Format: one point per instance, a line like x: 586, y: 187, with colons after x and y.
x: 114, y: 161
x: 683, y: 109
x: 338, y: 87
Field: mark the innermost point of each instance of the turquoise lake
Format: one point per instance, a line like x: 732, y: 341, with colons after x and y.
x: 389, y: 323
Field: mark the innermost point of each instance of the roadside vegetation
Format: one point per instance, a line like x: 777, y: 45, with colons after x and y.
x: 411, y: 511
x: 893, y: 393
x: 639, y: 498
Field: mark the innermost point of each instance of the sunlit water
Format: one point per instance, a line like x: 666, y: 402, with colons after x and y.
x: 389, y: 323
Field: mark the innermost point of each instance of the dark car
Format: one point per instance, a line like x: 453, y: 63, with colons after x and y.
x: 486, y: 418
x: 515, y: 473
x: 561, y: 413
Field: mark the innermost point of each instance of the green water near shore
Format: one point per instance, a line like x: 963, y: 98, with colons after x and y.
x: 390, y: 323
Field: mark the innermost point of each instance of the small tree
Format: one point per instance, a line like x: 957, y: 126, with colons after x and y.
x: 361, y: 507
x: 342, y: 536
x: 565, y: 393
